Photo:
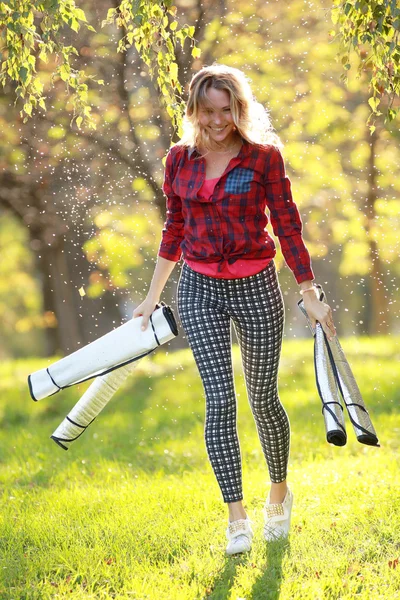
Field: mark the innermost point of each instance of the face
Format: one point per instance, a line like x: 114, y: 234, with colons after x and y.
x: 216, y: 116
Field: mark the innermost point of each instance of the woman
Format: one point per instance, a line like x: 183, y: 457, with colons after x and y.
x: 219, y: 179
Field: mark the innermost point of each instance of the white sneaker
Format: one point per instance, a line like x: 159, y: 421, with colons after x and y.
x: 277, y: 518
x: 239, y: 534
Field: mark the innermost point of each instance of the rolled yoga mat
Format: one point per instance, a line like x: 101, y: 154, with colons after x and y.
x: 113, y: 350
x: 333, y: 374
x: 98, y: 394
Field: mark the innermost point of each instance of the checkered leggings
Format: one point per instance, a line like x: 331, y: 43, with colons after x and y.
x: 206, y: 306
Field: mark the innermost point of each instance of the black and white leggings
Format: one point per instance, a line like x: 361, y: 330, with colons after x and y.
x: 206, y: 306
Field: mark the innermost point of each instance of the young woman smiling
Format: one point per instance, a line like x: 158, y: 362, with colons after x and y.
x: 219, y: 180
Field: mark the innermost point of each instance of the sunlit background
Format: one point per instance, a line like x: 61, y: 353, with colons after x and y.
x: 81, y: 211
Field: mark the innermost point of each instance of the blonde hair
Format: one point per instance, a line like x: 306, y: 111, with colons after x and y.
x: 249, y: 116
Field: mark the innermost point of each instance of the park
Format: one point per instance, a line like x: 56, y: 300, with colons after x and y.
x: 92, y: 99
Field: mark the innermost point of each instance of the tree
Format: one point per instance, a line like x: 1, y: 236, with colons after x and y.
x: 44, y: 152
x: 115, y: 171
x: 371, y: 30
x: 32, y: 32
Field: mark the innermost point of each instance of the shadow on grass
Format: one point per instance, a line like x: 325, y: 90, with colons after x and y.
x: 268, y: 584
x: 221, y: 587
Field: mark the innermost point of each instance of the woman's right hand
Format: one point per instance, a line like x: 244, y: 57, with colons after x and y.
x: 145, y: 309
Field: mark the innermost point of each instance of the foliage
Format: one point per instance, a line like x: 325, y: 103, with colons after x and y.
x: 115, y: 250
x: 26, y: 43
x: 371, y: 29
x: 292, y: 66
x: 32, y: 32
x: 132, y: 510
x: 147, y: 26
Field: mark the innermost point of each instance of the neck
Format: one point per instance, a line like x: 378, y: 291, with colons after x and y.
x: 233, y: 143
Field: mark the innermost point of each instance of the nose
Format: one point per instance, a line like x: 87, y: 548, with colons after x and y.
x: 217, y: 120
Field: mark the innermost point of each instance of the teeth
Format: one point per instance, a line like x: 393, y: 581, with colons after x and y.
x: 219, y: 129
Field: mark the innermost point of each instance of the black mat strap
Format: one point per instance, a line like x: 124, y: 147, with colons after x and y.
x: 325, y: 404
x: 154, y: 330
x: 77, y: 424
x: 336, y: 374
x: 127, y: 362
x: 59, y: 440
x: 56, y: 384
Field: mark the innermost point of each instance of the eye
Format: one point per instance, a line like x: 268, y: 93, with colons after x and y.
x: 227, y: 109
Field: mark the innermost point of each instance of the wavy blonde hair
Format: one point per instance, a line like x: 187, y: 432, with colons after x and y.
x: 249, y: 116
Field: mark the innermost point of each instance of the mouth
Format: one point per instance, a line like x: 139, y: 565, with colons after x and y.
x: 218, y: 129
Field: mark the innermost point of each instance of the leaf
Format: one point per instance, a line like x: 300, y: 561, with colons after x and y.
x: 79, y: 14
x: 173, y: 70
x: 196, y: 52
x: 64, y: 72
x: 23, y: 73
x: 173, y: 25
x: 373, y: 102
x: 74, y: 24
x: 28, y: 108
x: 335, y: 15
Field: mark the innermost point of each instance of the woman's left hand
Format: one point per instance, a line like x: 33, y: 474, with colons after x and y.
x: 321, y: 312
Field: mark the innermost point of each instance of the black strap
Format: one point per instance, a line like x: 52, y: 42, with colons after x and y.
x: 77, y: 424
x: 83, y: 427
x: 325, y: 405
x: 56, y: 384
x: 336, y: 374
x: 154, y: 330
x: 127, y: 362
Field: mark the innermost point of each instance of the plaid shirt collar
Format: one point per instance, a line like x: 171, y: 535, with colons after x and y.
x: 244, y: 150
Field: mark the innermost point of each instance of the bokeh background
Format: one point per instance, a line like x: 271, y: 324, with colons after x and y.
x: 83, y: 209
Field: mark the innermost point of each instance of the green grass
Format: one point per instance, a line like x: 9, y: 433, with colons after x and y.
x: 132, y: 510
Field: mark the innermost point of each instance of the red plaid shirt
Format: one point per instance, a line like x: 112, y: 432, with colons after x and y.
x: 231, y: 224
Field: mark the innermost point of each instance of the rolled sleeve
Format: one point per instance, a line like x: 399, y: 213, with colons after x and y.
x: 172, y: 233
x: 285, y: 218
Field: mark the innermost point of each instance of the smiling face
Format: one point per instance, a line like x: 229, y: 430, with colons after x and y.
x: 215, y: 116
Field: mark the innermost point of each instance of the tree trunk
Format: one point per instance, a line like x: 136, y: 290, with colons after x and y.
x: 63, y: 335
x: 78, y: 320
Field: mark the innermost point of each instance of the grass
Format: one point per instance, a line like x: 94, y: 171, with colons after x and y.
x: 132, y: 510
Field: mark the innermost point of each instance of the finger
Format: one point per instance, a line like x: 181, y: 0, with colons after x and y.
x: 144, y: 323
x: 329, y: 330
x: 331, y: 326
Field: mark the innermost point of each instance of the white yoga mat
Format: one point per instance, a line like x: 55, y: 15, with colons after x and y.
x: 98, y: 394
x: 113, y: 350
